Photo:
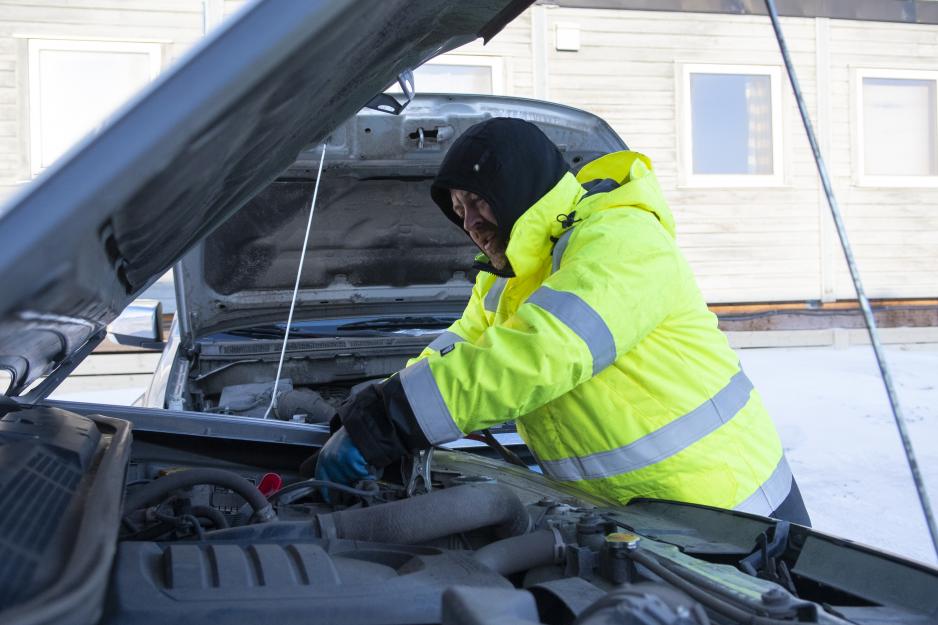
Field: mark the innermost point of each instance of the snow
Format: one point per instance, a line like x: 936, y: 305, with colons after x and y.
x: 833, y: 415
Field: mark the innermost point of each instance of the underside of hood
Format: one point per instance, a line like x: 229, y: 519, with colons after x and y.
x: 378, y: 244
x: 79, y: 243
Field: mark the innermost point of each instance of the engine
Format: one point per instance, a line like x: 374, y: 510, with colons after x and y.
x: 205, y: 545
x: 208, y: 521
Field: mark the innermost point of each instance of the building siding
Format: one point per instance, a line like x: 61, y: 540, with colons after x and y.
x: 753, y: 244
x: 744, y: 244
x: 894, y: 230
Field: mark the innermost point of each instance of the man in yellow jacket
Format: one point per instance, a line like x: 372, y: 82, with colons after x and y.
x: 585, y: 327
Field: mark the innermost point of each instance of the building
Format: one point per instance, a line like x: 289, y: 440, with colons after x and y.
x: 703, y: 93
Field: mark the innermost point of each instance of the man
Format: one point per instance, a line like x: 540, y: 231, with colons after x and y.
x: 586, y: 327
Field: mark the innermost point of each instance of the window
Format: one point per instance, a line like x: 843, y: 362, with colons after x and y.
x: 459, y: 74
x: 75, y: 85
x: 731, y: 125
x: 897, y: 115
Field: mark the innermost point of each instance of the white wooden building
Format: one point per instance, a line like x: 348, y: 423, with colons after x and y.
x: 702, y: 93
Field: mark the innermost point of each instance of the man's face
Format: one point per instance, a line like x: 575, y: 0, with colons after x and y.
x: 479, y: 221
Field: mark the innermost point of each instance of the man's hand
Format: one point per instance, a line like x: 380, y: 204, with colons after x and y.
x: 340, y: 461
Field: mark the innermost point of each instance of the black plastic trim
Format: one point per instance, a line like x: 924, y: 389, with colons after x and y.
x: 76, y: 596
x: 162, y: 421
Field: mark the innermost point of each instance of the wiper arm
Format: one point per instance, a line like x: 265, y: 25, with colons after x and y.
x: 261, y: 332
x: 399, y: 322
x: 275, y: 332
x: 380, y: 323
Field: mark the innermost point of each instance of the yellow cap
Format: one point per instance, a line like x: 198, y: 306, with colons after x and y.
x: 630, y: 539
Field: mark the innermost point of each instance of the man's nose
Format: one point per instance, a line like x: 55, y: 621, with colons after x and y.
x: 472, y: 219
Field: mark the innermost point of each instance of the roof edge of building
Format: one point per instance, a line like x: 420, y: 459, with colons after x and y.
x: 901, y: 11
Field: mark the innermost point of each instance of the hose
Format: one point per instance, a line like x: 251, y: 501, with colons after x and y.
x: 155, y: 491
x: 706, y: 598
x: 207, y: 512
x: 183, y: 522
x: 300, y: 488
x: 522, y: 553
x: 434, y: 515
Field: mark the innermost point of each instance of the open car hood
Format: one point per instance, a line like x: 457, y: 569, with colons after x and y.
x: 82, y: 241
x: 378, y: 243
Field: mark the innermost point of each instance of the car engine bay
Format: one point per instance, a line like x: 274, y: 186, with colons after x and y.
x: 191, y: 543
x: 235, y: 377
x: 102, y: 527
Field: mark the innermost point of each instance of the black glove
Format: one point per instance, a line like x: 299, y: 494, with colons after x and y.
x: 380, y: 422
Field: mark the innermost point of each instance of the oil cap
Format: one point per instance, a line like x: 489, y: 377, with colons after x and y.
x: 623, y: 540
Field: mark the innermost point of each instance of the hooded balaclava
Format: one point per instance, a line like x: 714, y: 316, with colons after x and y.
x: 508, y: 162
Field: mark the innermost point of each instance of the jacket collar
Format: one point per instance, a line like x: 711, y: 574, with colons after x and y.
x: 638, y: 186
x: 533, y: 235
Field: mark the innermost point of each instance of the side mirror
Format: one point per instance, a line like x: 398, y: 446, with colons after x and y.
x: 140, y: 325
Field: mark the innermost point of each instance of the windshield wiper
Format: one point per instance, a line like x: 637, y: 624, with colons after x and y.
x: 276, y: 332
x: 260, y: 332
x: 384, y: 323
x: 377, y: 324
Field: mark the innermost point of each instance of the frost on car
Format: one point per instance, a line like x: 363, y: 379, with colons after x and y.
x: 138, y: 515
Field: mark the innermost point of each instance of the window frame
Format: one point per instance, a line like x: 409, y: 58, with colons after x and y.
x: 36, y: 45
x: 861, y: 178
x: 686, y: 134
x: 495, y: 63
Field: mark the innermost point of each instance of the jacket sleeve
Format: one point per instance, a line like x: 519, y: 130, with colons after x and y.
x: 468, y: 327
x: 615, y: 284
x: 379, y: 419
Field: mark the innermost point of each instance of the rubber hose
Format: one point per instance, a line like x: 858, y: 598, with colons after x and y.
x: 207, y: 512
x: 521, y: 553
x: 434, y: 515
x: 705, y: 597
x: 156, y: 490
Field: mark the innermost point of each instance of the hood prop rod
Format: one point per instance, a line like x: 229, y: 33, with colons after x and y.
x: 855, y: 276
x: 296, y: 286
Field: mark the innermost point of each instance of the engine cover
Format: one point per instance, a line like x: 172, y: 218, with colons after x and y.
x: 334, y: 582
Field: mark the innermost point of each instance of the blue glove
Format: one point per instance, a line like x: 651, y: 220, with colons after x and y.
x: 340, y: 461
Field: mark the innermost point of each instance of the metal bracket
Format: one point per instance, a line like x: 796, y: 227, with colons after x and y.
x: 386, y: 103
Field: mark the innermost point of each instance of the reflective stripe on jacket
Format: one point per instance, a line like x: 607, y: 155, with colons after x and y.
x: 604, y: 352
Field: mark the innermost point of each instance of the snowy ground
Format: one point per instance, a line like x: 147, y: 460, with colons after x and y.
x: 834, y: 420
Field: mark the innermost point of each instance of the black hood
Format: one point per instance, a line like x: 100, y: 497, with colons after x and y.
x: 509, y: 162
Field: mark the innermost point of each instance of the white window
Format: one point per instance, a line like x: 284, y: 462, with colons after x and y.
x: 731, y: 126
x: 75, y: 85
x: 897, y: 115
x: 460, y: 74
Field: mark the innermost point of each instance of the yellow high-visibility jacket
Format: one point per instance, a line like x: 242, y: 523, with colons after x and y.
x: 603, y: 351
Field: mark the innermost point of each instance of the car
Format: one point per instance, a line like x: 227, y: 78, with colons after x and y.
x: 198, y: 512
